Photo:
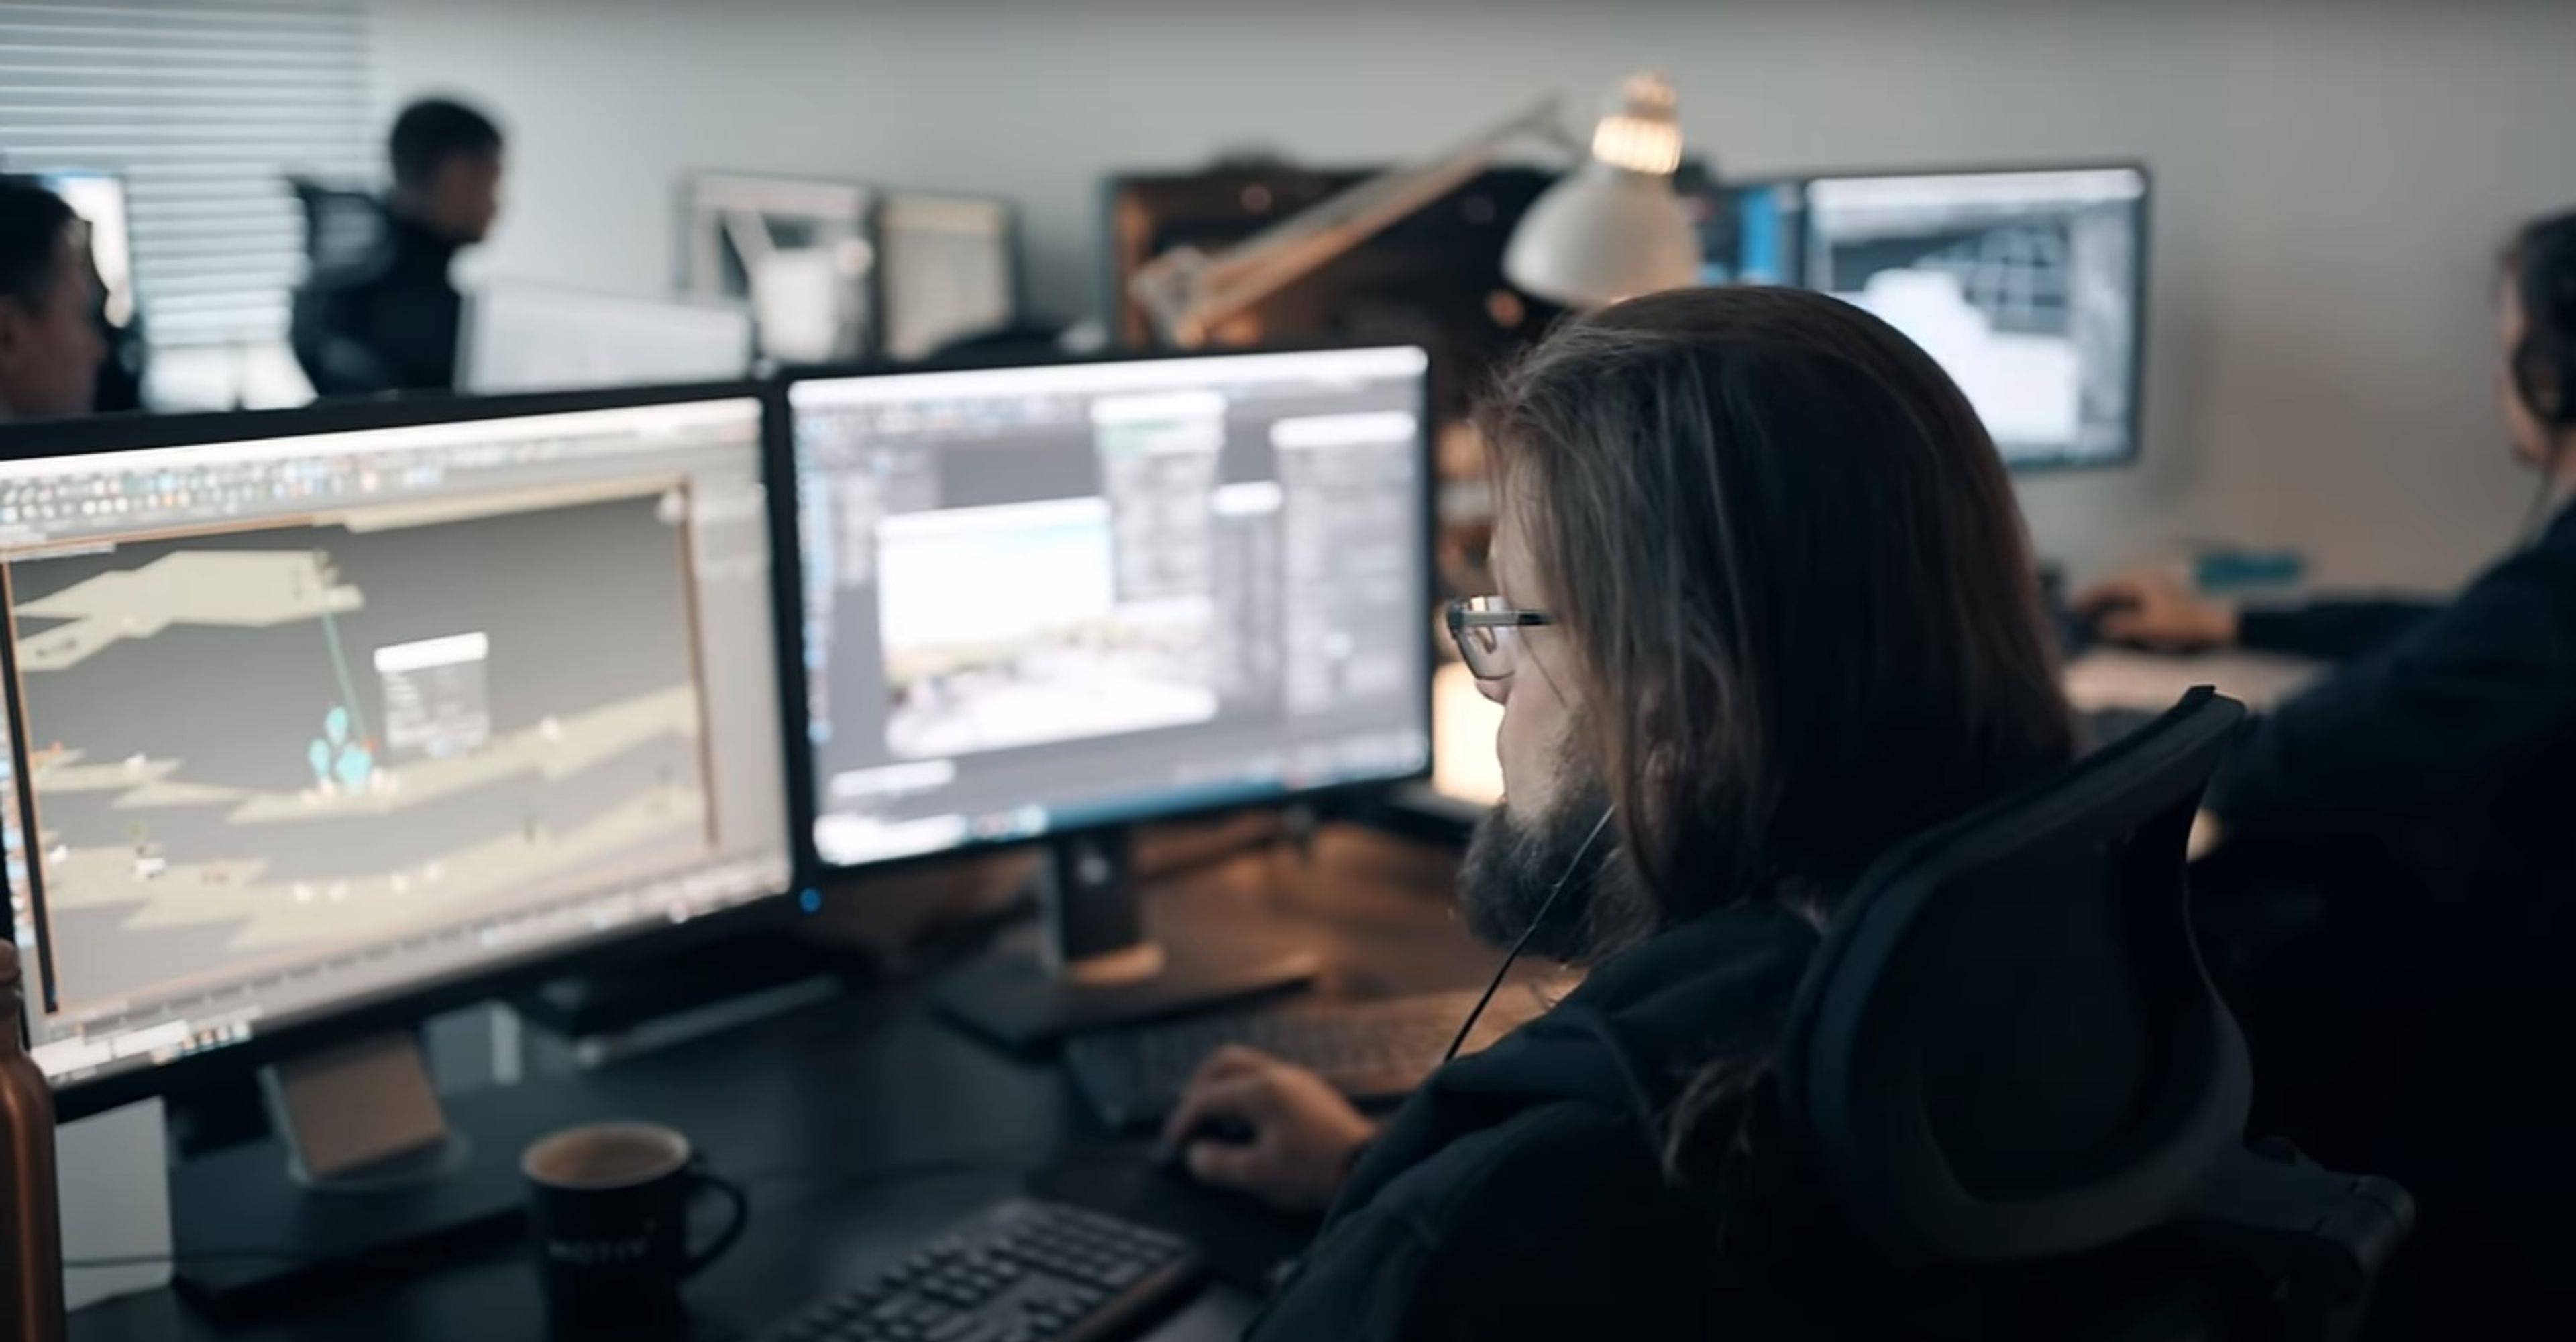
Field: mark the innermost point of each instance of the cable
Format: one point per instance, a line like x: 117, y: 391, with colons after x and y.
x: 1545, y: 907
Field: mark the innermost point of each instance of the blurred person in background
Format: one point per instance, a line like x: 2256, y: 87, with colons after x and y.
x: 385, y: 316
x: 50, y: 346
x: 2390, y: 894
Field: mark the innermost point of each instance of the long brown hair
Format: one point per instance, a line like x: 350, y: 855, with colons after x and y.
x: 1805, y: 616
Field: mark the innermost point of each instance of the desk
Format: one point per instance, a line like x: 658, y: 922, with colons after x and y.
x: 806, y: 1108
x: 2121, y: 678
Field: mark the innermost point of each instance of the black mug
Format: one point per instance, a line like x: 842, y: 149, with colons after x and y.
x: 608, y: 1205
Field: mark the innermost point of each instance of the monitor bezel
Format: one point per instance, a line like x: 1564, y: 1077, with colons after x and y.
x: 788, y: 565
x: 404, y: 1005
x: 2058, y: 463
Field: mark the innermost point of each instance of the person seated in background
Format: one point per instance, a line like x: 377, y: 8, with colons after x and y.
x: 386, y: 318
x: 2448, y: 728
x: 1765, y: 609
x: 2411, y: 801
x: 50, y: 349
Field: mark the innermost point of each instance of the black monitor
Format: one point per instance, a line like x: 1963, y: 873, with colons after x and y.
x: 1046, y: 602
x: 319, y: 720
x: 2029, y: 287
x: 1749, y: 230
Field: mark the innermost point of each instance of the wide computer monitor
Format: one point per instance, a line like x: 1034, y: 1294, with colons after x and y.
x: 2027, y: 286
x: 319, y: 719
x: 520, y: 336
x: 1050, y: 598
x: 1046, y: 602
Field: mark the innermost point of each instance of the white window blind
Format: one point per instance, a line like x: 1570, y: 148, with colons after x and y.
x: 204, y: 107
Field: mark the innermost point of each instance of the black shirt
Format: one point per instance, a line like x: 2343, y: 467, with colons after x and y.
x: 383, y: 320
x: 2416, y: 802
x: 2447, y: 741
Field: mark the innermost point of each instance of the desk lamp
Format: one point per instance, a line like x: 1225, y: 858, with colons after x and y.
x: 1611, y: 228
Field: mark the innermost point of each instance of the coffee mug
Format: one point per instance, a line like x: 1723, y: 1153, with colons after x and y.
x: 608, y: 1205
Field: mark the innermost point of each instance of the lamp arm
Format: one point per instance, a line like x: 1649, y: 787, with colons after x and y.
x: 1187, y: 292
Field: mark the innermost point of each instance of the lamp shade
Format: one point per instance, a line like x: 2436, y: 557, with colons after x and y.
x: 1603, y: 233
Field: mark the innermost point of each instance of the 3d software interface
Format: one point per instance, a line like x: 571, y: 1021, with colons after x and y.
x: 1049, y: 597
x: 2024, y: 286
x: 303, y: 721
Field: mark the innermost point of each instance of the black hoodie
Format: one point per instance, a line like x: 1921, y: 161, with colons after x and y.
x: 1521, y: 1192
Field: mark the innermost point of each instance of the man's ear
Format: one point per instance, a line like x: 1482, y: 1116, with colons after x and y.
x: 14, y: 323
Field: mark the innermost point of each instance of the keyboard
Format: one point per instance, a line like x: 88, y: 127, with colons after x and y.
x: 1022, y: 1271
x: 1369, y: 1051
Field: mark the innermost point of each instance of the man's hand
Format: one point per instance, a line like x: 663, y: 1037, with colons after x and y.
x: 2153, y: 609
x: 1300, y: 1134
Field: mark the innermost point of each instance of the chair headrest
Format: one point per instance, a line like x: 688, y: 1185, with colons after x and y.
x: 2007, y: 1047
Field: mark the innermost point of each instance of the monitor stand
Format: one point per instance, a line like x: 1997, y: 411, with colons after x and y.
x: 1098, y: 967
x: 375, y: 1175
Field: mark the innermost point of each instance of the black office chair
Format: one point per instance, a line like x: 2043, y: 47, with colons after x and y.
x: 2011, y: 1072
x: 342, y: 224
x: 345, y: 233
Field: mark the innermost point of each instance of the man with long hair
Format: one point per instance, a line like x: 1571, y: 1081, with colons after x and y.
x: 1764, y: 609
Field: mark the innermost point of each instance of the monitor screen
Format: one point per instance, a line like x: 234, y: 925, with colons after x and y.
x: 539, y: 337
x: 2026, y: 286
x: 1049, y: 598
x: 1748, y: 231
x: 306, y: 722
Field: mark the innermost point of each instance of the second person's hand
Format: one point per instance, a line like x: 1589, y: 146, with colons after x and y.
x: 2153, y: 609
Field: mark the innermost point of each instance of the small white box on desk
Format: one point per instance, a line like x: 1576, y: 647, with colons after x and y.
x: 114, y: 1170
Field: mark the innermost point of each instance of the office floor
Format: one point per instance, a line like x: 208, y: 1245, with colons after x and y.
x: 862, y: 1125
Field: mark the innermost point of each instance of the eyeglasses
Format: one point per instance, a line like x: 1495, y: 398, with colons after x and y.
x: 1487, y: 629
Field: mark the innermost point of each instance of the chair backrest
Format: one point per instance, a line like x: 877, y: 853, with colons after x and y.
x: 342, y: 225
x: 2007, y: 1049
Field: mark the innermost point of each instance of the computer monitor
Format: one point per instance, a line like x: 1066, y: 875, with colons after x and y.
x: 2028, y: 287
x: 518, y: 336
x: 1749, y: 230
x: 1050, y: 601
x: 318, y: 720
x: 947, y: 268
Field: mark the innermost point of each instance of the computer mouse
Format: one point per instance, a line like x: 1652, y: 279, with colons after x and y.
x: 1174, y: 1157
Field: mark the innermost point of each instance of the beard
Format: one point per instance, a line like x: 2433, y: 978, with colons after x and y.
x: 1514, y: 863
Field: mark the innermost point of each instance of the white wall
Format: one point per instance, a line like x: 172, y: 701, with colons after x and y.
x: 2331, y: 178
